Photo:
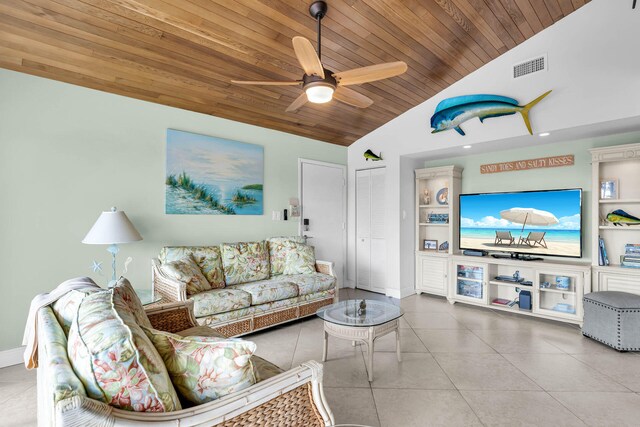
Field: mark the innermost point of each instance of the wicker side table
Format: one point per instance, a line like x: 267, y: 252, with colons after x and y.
x: 347, y: 320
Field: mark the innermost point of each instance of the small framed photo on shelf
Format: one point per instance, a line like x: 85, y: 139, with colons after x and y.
x: 430, y: 245
x: 609, y: 188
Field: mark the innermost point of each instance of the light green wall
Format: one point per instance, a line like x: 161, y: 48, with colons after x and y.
x: 67, y: 153
x: 576, y: 176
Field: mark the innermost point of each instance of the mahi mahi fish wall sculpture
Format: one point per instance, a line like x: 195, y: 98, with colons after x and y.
x: 452, y: 112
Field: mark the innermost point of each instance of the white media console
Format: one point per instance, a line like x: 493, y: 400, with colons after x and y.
x: 556, y: 288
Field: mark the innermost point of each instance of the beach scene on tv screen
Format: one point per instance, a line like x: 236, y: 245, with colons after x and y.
x: 540, y: 222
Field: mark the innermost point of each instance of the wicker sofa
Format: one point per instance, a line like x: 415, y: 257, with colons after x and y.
x: 242, y: 308
x: 294, y: 397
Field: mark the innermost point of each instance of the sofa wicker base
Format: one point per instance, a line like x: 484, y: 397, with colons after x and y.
x: 258, y: 321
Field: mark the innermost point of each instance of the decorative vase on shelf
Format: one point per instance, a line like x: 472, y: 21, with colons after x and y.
x: 426, y: 198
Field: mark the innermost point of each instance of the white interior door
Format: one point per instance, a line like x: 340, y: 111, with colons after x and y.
x: 363, y: 230
x: 323, y: 202
x: 371, y: 250
x: 363, y: 263
x: 378, y: 242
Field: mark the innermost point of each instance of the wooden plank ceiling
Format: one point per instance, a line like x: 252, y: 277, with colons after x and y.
x: 183, y: 53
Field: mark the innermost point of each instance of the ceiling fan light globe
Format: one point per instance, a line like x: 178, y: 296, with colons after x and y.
x: 319, y: 94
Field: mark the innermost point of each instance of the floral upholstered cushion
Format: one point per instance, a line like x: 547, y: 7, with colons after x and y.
x: 310, y: 283
x: 245, y: 262
x: 125, y: 291
x: 279, y: 247
x: 268, y: 291
x: 208, y: 259
x: 215, y: 319
x: 300, y: 260
x: 219, y: 301
x: 317, y: 295
x: 66, y: 307
x: 186, y: 270
x: 205, y: 368
x: 114, y: 358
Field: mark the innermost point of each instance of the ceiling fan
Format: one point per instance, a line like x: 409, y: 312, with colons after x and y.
x: 321, y: 85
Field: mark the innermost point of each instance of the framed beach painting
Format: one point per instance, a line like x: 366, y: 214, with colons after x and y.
x: 430, y: 245
x: 213, y: 176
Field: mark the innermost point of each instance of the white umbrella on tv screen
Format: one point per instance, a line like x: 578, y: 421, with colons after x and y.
x: 529, y: 216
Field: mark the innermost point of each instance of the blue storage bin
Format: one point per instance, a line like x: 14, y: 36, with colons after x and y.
x: 525, y: 300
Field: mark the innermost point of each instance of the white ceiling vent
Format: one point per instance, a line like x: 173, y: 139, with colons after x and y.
x: 530, y: 66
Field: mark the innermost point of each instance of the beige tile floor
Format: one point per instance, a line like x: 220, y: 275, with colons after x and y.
x: 462, y: 366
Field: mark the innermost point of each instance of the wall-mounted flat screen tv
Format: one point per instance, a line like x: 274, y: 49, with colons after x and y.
x: 547, y: 222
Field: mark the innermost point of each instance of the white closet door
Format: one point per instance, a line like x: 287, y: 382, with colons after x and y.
x: 363, y: 263
x: 363, y: 203
x: 378, y: 267
x: 378, y: 244
x: 377, y: 204
x: 370, y: 230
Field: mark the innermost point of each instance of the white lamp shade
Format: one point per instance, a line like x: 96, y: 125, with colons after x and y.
x: 112, y: 227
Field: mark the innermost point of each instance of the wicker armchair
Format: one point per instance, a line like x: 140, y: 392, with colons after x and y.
x: 291, y: 398
x: 175, y: 291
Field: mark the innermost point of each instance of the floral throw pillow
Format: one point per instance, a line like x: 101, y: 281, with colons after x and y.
x: 208, y: 259
x: 300, y: 260
x: 114, y: 358
x: 245, y: 262
x: 279, y: 247
x: 186, y: 270
x: 125, y: 291
x: 66, y: 308
x: 205, y: 368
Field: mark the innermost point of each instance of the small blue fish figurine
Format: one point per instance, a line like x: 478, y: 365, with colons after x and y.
x: 370, y: 155
x: 452, y: 112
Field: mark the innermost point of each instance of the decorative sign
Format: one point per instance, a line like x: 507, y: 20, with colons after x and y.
x: 519, y: 165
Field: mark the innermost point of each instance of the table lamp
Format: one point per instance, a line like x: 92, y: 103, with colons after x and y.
x: 112, y: 228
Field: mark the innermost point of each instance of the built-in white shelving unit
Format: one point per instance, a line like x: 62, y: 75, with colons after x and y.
x: 432, y: 264
x: 620, y: 163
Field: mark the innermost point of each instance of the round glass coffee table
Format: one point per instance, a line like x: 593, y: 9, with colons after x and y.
x: 363, y: 321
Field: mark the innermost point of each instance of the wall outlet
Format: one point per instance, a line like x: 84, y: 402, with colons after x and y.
x: 276, y: 215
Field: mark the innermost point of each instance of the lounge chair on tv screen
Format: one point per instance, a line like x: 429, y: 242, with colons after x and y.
x: 504, y: 238
x: 534, y: 238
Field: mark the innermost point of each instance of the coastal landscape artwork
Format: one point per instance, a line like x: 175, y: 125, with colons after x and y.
x: 213, y: 176
x: 537, y: 222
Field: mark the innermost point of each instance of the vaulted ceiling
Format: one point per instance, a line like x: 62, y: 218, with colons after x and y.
x: 183, y: 53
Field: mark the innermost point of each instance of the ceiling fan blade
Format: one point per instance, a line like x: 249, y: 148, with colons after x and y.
x: 299, y: 102
x: 266, y: 83
x: 370, y: 73
x: 307, y: 57
x: 351, y: 97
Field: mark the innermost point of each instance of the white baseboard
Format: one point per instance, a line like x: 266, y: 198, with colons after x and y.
x: 407, y: 292
x: 349, y: 284
x: 399, y: 293
x: 11, y: 357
